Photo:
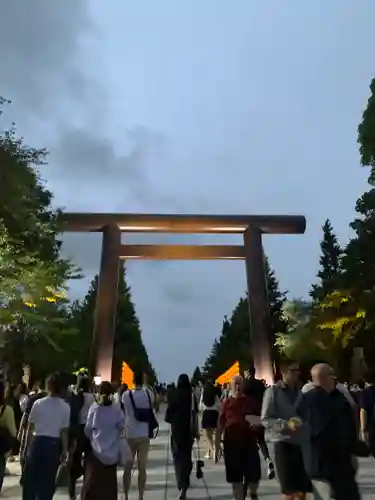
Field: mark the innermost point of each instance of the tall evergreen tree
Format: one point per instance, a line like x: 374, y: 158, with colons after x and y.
x: 330, y: 264
x: 234, y: 343
x: 128, y: 345
x: 197, y: 376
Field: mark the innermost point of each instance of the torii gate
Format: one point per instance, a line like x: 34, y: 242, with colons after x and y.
x: 250, y: 226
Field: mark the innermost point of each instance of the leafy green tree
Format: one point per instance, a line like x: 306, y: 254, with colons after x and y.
x: 31, y: 270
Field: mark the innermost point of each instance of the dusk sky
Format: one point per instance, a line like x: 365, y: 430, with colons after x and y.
x: 177, y: 106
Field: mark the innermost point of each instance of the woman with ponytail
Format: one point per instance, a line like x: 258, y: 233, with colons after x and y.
x: 104, y: 426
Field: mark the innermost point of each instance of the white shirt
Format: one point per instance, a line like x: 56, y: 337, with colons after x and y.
x: 214, y: 407
x: 50, y: 415
x: 88, y: 401
x: 133, y: 428
x: 340, y: 387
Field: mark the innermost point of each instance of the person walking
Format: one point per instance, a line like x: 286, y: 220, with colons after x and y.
x: 80, y: 402
x: 8, y: 432
x: 333, y: 437
x: 104, y: 427
x: 367, y: 412
x: 48, y: 427
x: 182, y: 415
x: 209, y: 405
x: 256, y: 388
x: 239, y: 423
x: 285, y: 427
x: 137, y: 432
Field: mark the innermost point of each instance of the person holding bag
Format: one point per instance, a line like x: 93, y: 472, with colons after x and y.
x: 182, y: 415
x: 140, y: 426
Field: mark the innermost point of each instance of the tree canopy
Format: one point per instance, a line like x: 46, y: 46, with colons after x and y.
x: 128, y: 346
x: 234, y: 343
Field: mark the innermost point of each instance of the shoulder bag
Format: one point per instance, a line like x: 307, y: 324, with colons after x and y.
x: 146, y: 415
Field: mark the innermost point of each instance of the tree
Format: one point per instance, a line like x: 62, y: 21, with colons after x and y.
x: 330, y: 264
x: 297, y: 342
x: 31, y: 270
x: 366, y: 135
x: 128, y: 345
x: 197, y: 376
x: 128, y: 336
x: 234, y: 343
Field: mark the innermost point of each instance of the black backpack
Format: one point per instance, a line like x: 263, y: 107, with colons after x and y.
x: 146, y: 415
x: 6, y: 439
x: 209, y: 396
x: 76, y: 402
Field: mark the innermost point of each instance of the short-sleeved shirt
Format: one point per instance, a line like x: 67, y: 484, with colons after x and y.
x: 31, y: 400
x: 50, y: 415
x: 233, y: 417
x: 134, y: 428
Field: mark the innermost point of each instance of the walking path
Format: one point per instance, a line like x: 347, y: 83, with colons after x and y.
x: 161, y: 480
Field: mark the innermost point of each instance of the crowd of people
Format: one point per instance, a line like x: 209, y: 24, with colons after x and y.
x: 62, y: 433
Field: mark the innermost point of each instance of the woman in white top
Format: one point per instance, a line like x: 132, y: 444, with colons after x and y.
x: 209, y: 406
x: 104, y: 428
x: 48, y: 427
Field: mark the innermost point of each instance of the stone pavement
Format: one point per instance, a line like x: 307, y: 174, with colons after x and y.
x: 161, y: 480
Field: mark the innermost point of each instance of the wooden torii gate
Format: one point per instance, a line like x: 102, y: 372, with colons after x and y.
x: 250, y: 226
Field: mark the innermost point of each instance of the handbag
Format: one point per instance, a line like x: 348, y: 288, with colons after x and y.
x: 361, y: 449
x: 146, y: 415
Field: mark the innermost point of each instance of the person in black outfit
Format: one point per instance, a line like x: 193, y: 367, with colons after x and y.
x: 333, y: 437
x: 255, y: 388
x: 367, y: 412
x: 182, y: 415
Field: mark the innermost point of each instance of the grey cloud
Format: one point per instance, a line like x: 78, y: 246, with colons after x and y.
x: 39, y: 46
x: 181, y: 293
x: 92, y: 159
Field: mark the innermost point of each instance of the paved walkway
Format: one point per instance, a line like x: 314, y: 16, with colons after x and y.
x: 161, y: 480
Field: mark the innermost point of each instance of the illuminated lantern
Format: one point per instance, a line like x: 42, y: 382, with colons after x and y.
x: 127, y: 375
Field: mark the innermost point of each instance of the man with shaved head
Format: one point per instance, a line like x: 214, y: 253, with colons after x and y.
x: 340, y: 387
x: 333, y: 437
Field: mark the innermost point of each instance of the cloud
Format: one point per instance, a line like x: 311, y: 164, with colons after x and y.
x: 40, y: 45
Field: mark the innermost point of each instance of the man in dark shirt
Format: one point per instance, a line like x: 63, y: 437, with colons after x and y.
x: 333, y: 437
x: 255, y: 388
x: 367, y: 412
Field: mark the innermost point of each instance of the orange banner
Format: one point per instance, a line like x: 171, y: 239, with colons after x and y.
x: 229, y: 374
x: 127, y: 375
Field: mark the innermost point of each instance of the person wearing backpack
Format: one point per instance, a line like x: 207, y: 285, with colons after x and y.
x: 8, y: 432
x: 80, y: 402
x: 209, y: 405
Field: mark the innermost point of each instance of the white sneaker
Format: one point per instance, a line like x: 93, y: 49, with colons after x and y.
x: 270, y: 470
